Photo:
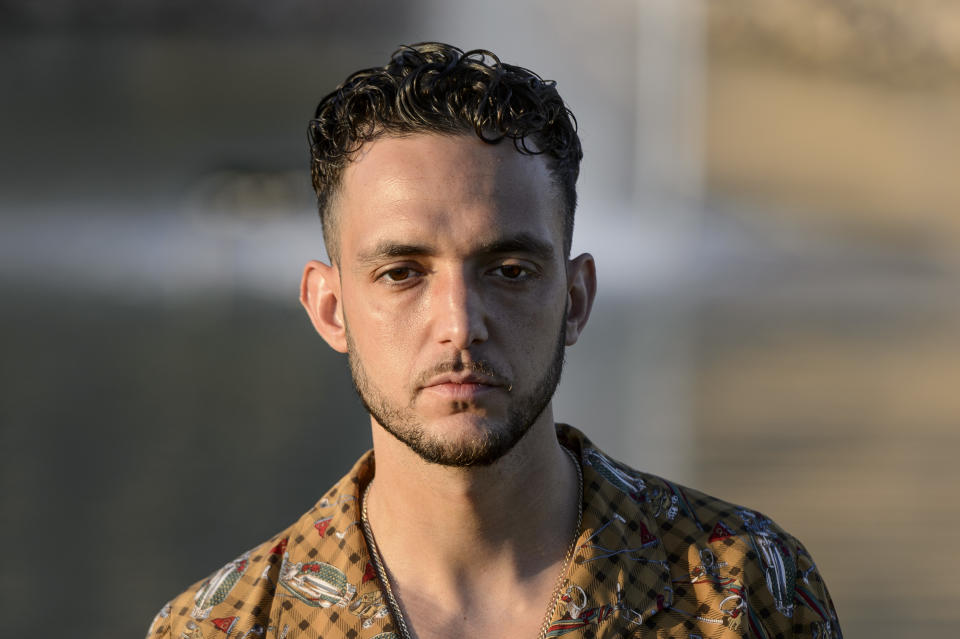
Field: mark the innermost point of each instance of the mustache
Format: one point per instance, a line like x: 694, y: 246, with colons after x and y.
x: 480, y: 367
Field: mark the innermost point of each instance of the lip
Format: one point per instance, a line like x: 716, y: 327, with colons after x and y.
x: 462, y: 386
x: 466, y: 378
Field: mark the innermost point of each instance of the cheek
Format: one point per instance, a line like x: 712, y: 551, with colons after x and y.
x: 530, y: 328
x: 385, y: 337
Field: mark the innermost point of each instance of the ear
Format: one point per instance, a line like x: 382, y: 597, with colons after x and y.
x: 581, y: 290
x: 320, y: 296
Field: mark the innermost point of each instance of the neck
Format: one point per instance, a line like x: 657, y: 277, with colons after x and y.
x: 515, y: 516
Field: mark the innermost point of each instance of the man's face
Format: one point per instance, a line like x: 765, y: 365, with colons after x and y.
x: 453, y: 290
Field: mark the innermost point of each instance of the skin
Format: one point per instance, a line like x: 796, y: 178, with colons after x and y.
x: 453, y: 298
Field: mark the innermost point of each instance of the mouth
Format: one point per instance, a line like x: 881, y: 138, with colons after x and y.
x: 464, y: 385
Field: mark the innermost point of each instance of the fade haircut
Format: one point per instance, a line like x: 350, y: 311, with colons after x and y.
x: 433, y: 87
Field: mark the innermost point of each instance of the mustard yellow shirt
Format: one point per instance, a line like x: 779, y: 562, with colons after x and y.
x: 653, y: 559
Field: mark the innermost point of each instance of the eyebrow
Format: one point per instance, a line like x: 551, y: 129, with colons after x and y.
x: 520, y: 243
x: 524, y: 243
x: 388, y: 250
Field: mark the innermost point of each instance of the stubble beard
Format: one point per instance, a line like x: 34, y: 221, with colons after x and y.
x: 492, y: 443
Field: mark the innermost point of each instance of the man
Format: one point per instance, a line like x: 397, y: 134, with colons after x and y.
x: 446, y: 187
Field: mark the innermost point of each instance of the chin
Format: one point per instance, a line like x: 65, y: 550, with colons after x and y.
x: 460, y: 440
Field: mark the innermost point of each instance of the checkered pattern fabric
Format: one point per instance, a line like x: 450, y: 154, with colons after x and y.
x: 654, y: 559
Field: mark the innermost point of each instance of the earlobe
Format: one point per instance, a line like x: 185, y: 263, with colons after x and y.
x: 320, y: 297
x: 581, y: 291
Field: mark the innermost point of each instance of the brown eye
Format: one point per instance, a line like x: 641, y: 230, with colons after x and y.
x: 397, y: 274
x: 511, y: 271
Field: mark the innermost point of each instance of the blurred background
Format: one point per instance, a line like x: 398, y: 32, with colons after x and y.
x: 770, y: 190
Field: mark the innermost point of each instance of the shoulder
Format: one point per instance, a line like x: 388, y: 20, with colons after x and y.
x: 728, y: 563
x: 762, y: 571
x: 236, y: 597
x: 686, y: 519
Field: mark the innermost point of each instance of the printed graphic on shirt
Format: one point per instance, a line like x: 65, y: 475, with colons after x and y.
x: 369, y: 606
x: 322, y: 524
x: 256, y: 630
x: 631, y: 553
x: 214, y: 590
x: 369, y: 573
x: 679, y: 502
x: 280, y: 548
x: 225, y: 624
x: 779, y: 566
x: 615, y: 474
x: 282, y: 634
x: 707, y: 568
x: 662, y: 503
x: 577, y: 615
x: 730, y: 609
x: 191, y: 631
x: 647, y: 538
x: 733, y: 605
x: 316, y: 583
x: 720, y: 532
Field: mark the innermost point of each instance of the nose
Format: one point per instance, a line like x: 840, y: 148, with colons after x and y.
x: 460, y: 316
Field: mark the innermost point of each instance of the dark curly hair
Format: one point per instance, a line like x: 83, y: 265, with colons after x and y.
x: 437, y: 88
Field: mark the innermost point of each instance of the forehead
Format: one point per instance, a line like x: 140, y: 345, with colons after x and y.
x: 448, y: 188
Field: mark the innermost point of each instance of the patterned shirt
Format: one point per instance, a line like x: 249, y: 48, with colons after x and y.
x: 653, y: 559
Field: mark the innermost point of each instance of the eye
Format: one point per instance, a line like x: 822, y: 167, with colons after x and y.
x: 514, y: 272
x: 398, y: 274
x: 511, y: 271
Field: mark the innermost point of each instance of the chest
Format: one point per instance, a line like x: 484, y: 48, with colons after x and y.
x: 489, y: 613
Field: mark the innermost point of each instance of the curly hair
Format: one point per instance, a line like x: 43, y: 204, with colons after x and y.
x: 433, y: 87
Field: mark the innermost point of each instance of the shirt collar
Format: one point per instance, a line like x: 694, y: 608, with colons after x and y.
x: 326, y: 563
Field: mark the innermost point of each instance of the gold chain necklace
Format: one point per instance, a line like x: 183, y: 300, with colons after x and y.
x: 554, y: 599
